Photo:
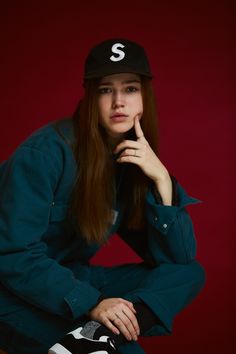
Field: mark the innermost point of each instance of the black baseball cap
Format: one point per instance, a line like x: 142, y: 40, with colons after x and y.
x: 115, y: 56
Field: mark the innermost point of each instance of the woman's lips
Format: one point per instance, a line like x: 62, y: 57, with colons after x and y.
x: 119, y: 117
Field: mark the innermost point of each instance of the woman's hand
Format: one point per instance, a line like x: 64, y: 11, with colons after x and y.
x: 140, y: 153
x: 118, y: 315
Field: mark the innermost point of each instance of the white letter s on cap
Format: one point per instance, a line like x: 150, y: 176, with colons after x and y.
x: 115, y: 50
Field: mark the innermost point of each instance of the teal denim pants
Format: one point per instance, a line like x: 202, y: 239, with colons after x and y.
x: 166, y: 289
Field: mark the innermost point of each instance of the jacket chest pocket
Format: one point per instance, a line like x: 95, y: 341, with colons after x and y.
x: 58, y: 211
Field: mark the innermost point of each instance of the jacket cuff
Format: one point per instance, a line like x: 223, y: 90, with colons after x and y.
x: 162, y: 216
x: 82, y: 298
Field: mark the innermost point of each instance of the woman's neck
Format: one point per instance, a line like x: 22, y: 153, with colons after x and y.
x: 113, y: 141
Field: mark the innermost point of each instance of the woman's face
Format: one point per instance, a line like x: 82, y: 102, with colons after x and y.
x: 119, y: 101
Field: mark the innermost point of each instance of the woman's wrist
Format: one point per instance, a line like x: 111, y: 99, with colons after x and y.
x: 101, y: 297
x: 164, y: 187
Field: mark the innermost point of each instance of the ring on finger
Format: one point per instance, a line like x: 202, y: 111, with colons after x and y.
x: 115, y: 318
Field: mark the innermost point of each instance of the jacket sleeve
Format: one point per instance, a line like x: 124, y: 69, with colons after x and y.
x: 169, y: 234
x: 27, y: 185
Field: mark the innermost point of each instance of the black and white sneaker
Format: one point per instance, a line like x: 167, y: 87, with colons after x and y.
x: 75, y: 343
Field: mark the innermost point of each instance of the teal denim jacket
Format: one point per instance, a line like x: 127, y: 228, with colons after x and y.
x: 38, y: 252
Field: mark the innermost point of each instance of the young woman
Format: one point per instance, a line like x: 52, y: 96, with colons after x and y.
x: 68, y: 188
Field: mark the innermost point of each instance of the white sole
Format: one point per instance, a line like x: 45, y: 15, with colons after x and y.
x: 58, y: 349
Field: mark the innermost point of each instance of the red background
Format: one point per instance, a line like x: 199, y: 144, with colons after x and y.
x: 190, y: 45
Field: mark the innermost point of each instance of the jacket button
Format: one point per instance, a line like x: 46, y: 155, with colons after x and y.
x: 156, y: 218
x: 53, y: 203
x: 165, y: 226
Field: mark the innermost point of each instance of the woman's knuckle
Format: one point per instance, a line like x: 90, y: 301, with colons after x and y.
x: 107, y: 322
x: 130, y: 329
x: 126, y: 323
x: 132, y: 320
x: 102, y: 317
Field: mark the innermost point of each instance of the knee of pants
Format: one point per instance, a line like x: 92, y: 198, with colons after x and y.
x: 195, y: 275
x: 168, y: 273
x: 198, y: 272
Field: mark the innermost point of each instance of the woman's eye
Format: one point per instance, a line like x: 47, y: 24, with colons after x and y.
x: 103, y: 90
x: 132, y: 89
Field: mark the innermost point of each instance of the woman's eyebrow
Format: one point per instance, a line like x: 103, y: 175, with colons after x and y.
x: 123, y: 82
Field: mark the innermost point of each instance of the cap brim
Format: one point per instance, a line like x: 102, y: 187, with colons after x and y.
x: 115, y: 70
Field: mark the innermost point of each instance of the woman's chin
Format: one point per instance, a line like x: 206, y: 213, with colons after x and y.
x: 121, y: 130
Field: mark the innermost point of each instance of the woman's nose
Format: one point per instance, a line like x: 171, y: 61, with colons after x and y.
x: 118, y: 100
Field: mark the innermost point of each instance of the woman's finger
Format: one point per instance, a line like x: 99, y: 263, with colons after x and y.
x: 131, y: 323
x: 131, y: 152
x: 132, y: 316
x: 129, y: 159
x: 109, y: 324
x: 138, y: 129
x: 129, y: 304
x: 122, y: 328
x: 127, y: 144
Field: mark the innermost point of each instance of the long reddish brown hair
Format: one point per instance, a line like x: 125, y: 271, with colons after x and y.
x: 94, y: 191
